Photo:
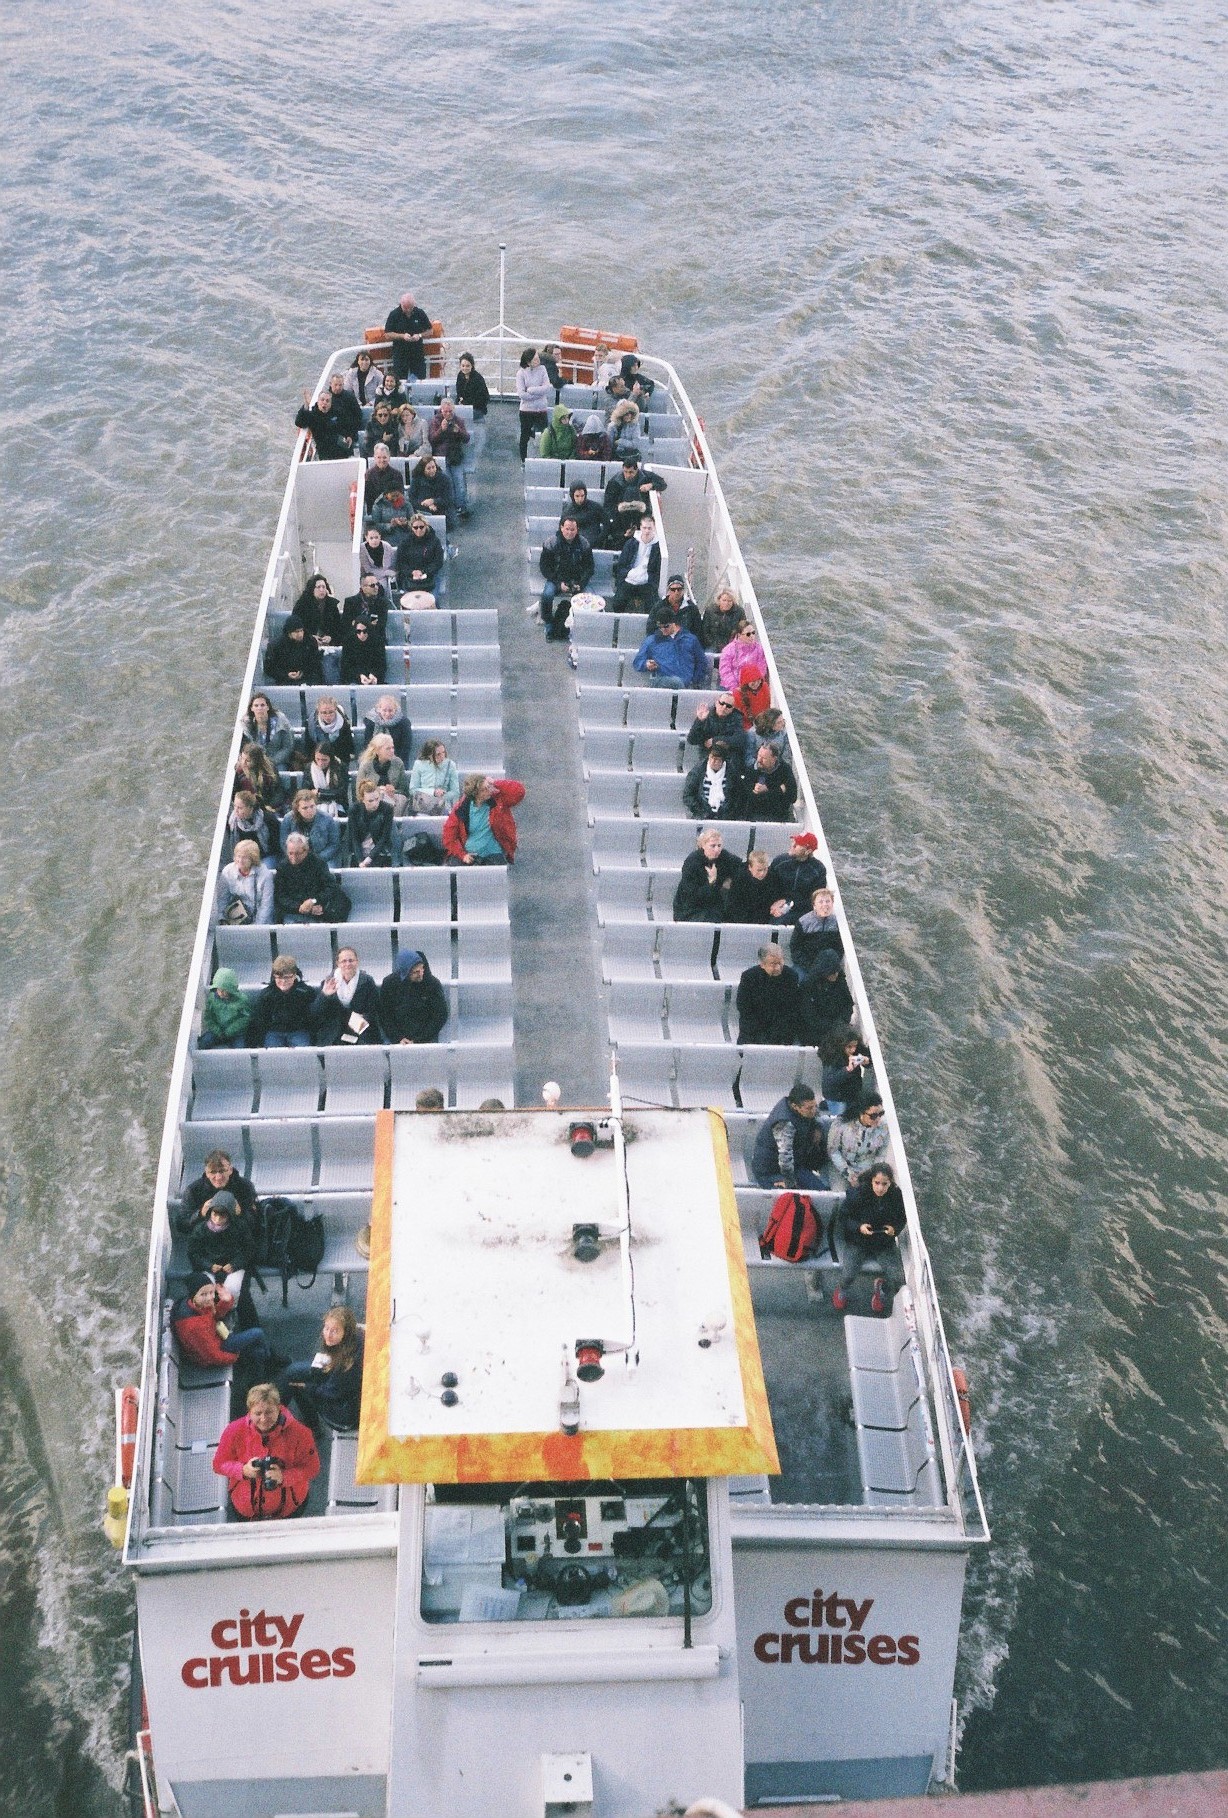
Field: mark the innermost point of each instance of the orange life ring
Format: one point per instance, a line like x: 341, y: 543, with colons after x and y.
x: 580, y: 365
x: 965, y: 1400
x: 353, y: 505
x: 129, y: 1414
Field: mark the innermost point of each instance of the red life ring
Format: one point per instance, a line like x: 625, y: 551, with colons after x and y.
x: 129, y: 1413
x: 965, y: 1401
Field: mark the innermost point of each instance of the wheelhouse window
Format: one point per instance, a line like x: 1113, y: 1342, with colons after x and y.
x: 542, y: 1552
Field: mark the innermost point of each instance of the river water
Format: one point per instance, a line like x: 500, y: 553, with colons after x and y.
x: 948, y: 282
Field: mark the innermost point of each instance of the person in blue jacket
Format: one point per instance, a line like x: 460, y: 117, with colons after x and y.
x: 672, y: 658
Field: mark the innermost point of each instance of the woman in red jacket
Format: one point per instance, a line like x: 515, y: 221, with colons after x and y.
x: 203, y: 1325
x: 269, y: 1457
x: 480, y: 829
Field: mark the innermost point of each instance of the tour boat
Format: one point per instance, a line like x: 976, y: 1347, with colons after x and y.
x: 632, y: 1516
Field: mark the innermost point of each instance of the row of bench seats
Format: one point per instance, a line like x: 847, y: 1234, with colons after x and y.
x: 680, y: 951
x: 437, y: 703
x: 629, y: 703
x: 341, y: 1082
x: 593, y: 474
x: 474, y: 952
x: 621, y: 843
x: 452, y: 666
x: 719, y: 1074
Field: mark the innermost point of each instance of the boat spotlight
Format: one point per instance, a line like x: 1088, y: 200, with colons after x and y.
x: 585, y: 1243
x: 589, y: 1352
x: 583, y: 1138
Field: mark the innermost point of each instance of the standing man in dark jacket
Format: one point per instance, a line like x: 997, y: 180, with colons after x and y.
x: 345, y: 408
x: 321, y: 418
x: 407, y: 327
x: 768, y: 1001
x: 566, y: 562
x: 789, y: 1149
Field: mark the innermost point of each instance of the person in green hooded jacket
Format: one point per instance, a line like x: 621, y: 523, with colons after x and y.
x: 558, y: 440
x: 227, y: 1013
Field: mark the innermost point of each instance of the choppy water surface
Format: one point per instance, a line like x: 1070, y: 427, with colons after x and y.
x: 948, y: 282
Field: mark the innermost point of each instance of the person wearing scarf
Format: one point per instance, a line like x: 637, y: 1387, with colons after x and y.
x: 328, y: 775
x: 413, y: 1005
x: 363, y: 378
x: 348, y: 998
x: 713, y: 790
x: 245, y: 885
x: 266, y: 726
x: 371, y: 831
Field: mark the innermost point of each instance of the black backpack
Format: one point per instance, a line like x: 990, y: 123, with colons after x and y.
x: 293, y: 1244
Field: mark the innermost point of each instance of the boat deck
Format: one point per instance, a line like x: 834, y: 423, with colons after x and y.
x: 550, y: 965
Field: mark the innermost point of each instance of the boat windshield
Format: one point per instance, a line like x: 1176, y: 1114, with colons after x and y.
x: 540, y: 1552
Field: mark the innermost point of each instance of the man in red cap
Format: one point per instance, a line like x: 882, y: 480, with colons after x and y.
x: 795, y: 876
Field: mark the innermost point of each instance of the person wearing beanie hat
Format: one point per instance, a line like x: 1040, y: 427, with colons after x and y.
x: 202, y: 1324
x: 796, y: 875
x: 224, y: 1019
x: 413, y: 1006
x: 674, y: 604
x: 826, y: 1002
x: 222, y: 1243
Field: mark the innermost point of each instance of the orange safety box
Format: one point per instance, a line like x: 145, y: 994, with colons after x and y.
x: 578, y: 351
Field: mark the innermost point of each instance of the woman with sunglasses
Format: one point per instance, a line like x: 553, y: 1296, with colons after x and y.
x: 858, y: 1138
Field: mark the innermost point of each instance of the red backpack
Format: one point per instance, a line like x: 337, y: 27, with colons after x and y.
x: 793, y: 1232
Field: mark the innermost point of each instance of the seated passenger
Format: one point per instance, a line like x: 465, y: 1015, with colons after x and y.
x: 268, y: 727
x: 378, y: 558
x: 752, y: 895
x: 720, y: 622
x: 558, y: 441
x: 221, y: 1244
x: 481, y: 829
x: 205, y: 1331
x: 714, y: 790
x: 413, y: 1005
x: 627, y: 495
x: 625, y: 426
x: 281, y: 1015
x: 742, y: 651
x: 430, y: 1099
x: 328, y: 1386
x: 858, y: 1138
x: 449, y: 439
x: 386, y: 716
x: 868, y: 1226
x: 379, y: 764
x: 633, y: 374
x: 218, y: 1175
x: 593, y: 442
x: 246, y: 821
x: 771, y: 786
x: 390, y: 390
x: 848, y: 1071
x: 292, y: 657
x: 585, y: 511
x: 827, y: 1002
x: 431, y: 491
x: 566, y: 563
x: 226, y: 1013
x: 637, y: 573
x: 328, y: 777
x: 419, y: 558
x: 721, y: 720
x: 372, y: 839
x: 345, y: 1010
x: 382, y: 477
x: 304, y: 889
x: 346, y: 408
x: 434, y: 781
x: 364, y: 378
x: 268, y: 1458
x: 323, y: 424
x: 364, y: 654
x: 370, y: 602
x: 768, y: 1001
x: 390, y: 516
x: 328, y: 725
x: 321, y: 831
x: 796, y: 875
x: 245, y: 888
x: 816, y: 930
x: 256, y: 776
x: 675, y: 605
x: 706, y: 879
x: 788, y: 1150
x: 411, y: 436
x: 382, y: 428
x: 769, y: 729
x: 672, y: 658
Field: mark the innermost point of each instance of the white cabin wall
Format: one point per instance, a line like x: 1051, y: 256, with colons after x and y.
x: 859, y: 1730
x: 326, y: 538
